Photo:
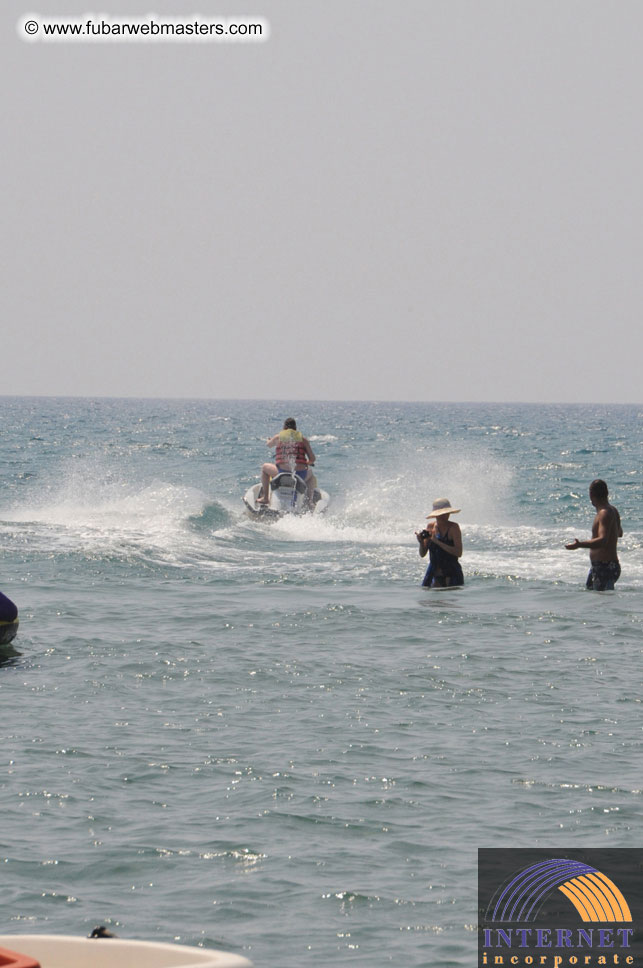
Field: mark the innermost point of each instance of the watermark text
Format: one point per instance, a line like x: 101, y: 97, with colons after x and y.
x: 91, y: 28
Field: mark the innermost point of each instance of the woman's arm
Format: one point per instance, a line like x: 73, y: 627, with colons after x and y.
x: 424, y: 539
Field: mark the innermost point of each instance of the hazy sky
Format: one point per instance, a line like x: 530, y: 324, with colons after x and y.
x: 409, y: 200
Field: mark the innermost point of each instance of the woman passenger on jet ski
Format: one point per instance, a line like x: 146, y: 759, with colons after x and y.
x: 291, y: 448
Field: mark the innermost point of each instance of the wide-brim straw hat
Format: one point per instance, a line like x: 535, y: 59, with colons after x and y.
x: 442, y: 506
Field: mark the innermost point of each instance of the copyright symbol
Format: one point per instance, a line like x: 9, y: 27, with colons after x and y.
x: 31, y: 27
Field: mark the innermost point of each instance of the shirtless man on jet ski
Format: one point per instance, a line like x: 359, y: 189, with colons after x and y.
x: 291, y: 446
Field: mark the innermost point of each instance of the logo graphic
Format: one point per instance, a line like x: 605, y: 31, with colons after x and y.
x: 595, y: 897
x: 544, y: 909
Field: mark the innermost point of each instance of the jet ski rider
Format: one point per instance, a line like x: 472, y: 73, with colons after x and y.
x: 291, y: 447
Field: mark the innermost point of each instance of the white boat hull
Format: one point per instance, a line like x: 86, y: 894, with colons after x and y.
x: 63, y: 951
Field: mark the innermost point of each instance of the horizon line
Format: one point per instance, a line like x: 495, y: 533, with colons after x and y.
x: 308, y: 400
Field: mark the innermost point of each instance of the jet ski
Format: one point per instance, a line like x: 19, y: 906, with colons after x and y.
x: 288, y: 495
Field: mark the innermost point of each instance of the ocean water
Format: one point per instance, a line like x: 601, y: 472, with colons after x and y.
x: 268, y: 738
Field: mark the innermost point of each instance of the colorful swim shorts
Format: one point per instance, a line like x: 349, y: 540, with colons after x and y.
x: 603, y: 575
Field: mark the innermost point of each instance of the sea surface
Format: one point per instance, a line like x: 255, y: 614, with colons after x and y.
x: 268, y: 738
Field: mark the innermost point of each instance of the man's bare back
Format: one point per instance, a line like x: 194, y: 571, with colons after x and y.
x: 606, y: 527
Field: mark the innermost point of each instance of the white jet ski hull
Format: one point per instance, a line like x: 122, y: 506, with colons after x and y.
x: 287, y: 496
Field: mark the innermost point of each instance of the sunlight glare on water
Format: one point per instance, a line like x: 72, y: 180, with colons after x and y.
x: 267, y: 737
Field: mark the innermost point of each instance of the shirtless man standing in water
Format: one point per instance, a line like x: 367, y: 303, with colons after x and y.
x: 606, y: 530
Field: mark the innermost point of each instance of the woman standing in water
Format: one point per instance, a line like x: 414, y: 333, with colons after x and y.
x: 443, y: 541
